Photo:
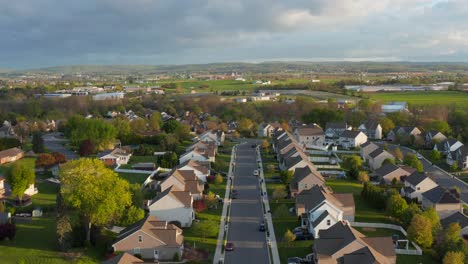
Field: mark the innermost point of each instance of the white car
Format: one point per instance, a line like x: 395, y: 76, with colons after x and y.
x: 255, y: 172
x: 419, y: 156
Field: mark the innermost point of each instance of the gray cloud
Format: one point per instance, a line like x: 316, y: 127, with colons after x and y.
x: 38, y: 33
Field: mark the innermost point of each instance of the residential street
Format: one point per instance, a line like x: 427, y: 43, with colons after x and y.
x: 438, y: 175
x: 53, y: 142
x: 246, y: 212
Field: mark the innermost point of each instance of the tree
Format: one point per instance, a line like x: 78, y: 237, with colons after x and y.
x: 396, y: 205
x: 182, y: 132
x: 131, y: 215
x: 386, y: 124
x: 413, y: 161
x: 388, y: 161
x: 353, y: 165
x: 435, y: 155
x: 137, y: 194
x: 59, y: 157
x: 64, y: 232
x: 155, y: 121
x: 279, y: 193
x: 441, y: 126
x: 38, y: 143
x: 289, y: 237
x: 454, y: 257
x: 398, y: 154
x: 363, y: 176
x: 286, y: 176
x: 170, y: 125
x: 97, y: 193
x: 451, y: 238
x: 420, y: 231
x: 86, y: 148
x: 245, y: 127
x: 218, y: 179
x: 431, y: 215
x: 412, y: 210
x: 101, y: 133
x: 265, y: 145
x: 20, y: 177
x: 45, y: 160
x: 270, y: 168
x: 138, y: 125
x: 454, y: 166
x: 210, y: 200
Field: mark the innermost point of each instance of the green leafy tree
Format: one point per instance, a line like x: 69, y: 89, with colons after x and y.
x: 131, y: 215
x: 38, y: 143
x: 435, y: 155
x: 431, y: 215
x: 440, y: 126
x: 265, y: 145
x: 19, y: 177
x: 182, y: 132
x: 270, y: 168
x: 246, y: 127
x: 386, y: 124
x: 101, y: 133
x: 353, y: 165
x: 451, y: 238
x: 286, y: 176
x: 420, y: 231
x: 155, y: 121
x: 454, y: 257
x: 413, y: 161
x: 363, y: 176
x: 170, y: 126
x: 412, y: 210
x: 454, y: 166
x: 396, y: 205
x: 97, y: 193
x: 210, y: 199
x: 398, y: 154
x: 139, y: 125
x: 124, y: 130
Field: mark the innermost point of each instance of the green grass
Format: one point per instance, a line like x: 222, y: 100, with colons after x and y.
x: 409, y: 259
x: 379, y: 232
x: 138, y: 159
x: 29, y: 162
x: 47, y: 195
x: 133, y: 177
x: 452, y: 98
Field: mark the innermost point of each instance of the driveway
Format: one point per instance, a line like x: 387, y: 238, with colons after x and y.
x: 438, y: 175
x: 54, y: 142
x: 246, y: 212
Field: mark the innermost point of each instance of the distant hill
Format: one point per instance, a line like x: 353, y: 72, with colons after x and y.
x: 264, y: 67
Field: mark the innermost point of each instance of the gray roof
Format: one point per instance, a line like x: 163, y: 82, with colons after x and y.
x: 360, y: 256
x: 334, y: 238
x: 291, y: 161
x: 350, y: 134
x: 441, y: 195
x: 319, y: 219
x: 457, y: 217
x: 379, y: 151
x: 311, y: 198
x: 416, y: 178
x: 371, y: 125
x: 336, y: 125
x: 302, y: 173
x: 386, y: 169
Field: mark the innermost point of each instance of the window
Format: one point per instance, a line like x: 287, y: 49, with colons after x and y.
x: 328, y: 222
x: 140, y: 239
x: 136, y: 250
x: 419, y: 188
x: 156, y: 254
x: 305, y: 186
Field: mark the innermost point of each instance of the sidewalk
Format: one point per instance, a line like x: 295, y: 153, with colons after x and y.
x: 223, y: 226
x: 271, y: 239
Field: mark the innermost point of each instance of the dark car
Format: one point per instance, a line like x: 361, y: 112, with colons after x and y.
x: 294, y: 260
x: 254, y: 145
x: 234, y: 196
x: 261, y: 228
x: 303, y: 236
x: 234, y: 191
x: 229, y: 246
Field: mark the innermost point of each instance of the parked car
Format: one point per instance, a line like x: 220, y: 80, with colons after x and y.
x: 303, y: 236
x: 234, y: 196
x: 298, y: 229
x: 419, y: 156
x: 234, y: 191
x: 294, y: 260
x: 254, y: 145
x: 261, y: 228
x: 229, y: 246
x: 255, y: 172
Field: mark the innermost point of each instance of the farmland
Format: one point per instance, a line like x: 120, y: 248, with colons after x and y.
x: 460, y: 99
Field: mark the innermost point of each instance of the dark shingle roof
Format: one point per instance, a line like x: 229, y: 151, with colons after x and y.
x: 310, y: 198
x: 336, y: 125
x: 350, y: 134
x: 457, y: 217
x: 442, y: 196
x: 377, y: 152
x: 360, y: 256
x: 319, y: 219
x: 386, y: 169
x: 416, y: 178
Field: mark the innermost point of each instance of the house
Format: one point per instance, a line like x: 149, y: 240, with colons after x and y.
x: 185, y: 180
x: 377, y: 157
x: 343, y: 244
x: 123, y: 258
x: 390, y: 172
x: 372, y: 129
x: 319, y: 208
x: 216, y: 136
x: 310, y: 136
x: 304, y: 179
x: 296, y: 161
x: 445, y: 201
x: 5, y: 189
x: 352, y: 139
x: 7, y: 131
x: 116, y: 156
x: 210, y: 146
x: 433, y: 137
x: 460, y: 156
x: 266, y: 130
x: 173, y: 205
x: 416, y: 184
x: 335, y: 129
x: 11, y: 155
x: 448, y: 146
x: 393, y: 107
x: 198, y: 154
x: 400, y: 132
x: 201, y: 169
x: 366, y: 149
x: 459, y: 218
x: 151, y: 238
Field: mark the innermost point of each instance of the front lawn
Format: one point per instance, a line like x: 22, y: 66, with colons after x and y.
x: 138, y: 159
x: 28, y: 162
x: 133, y: 177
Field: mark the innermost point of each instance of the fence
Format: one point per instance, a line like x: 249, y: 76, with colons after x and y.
x: 416, y: 251
x: 327, y: 166
x: 319, y: 159
x: 317, y: 152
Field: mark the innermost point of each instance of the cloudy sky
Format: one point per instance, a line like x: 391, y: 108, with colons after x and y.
x: 39, y: 33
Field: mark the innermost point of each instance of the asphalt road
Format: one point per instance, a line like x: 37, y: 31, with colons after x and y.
x: 246, y: 212
x: 438, y: 175
x: 54, y: 141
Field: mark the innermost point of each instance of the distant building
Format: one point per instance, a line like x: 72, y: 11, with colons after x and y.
x: 108, y: 96
x: 393, y: 107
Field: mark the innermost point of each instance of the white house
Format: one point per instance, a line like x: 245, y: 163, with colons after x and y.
x: 377, y: 157
x: 173, y: 205
x: 366, y: 149
x: 310, y: 136
x: 352, y: 139
x: 116, y: 156
x: 212, y: 136
x: 335, y: 129
x: 416, y: 184
x: 372, y: 129
x: 201, y: 169
x: 198, y: 154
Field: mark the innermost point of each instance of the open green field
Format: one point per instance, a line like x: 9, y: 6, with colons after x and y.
x: 460, y: 99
